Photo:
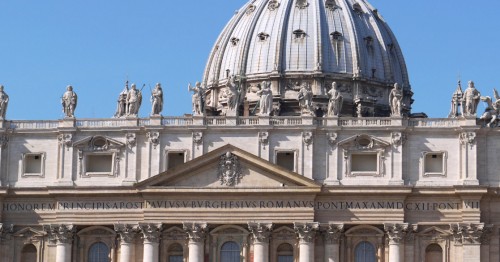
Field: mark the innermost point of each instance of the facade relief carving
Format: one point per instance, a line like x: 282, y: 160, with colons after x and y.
x: 4, y: 102
x: 464, y: 233
x: 333, y: 233
x: 65, y: 140
x: 467, y: 138
x: 127, y: 232
x: 198, y: 138
x: 6, y: 231
x: 261, y: 232
x: 4, y: 141
x: 198, y: 98
x: 197, y: 232
x: 153, y: 138
x: 332, y: 138
x: 229, y: 171
x: 398, y: 138
x: 157, y: 100
x: 307, y: 138
x: 264, y: 138
x: 131, y: 139
x: 396, y: 232
x: 301, y: 4
x: 273, y: 5
x: 151, y: 232
x: 69, y: 101
x: 306, y: 232
x: 492, y: 111
x: 60, y: 233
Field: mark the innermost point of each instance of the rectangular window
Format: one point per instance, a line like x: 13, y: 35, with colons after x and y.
x: 286, y: 159
x: 434, y: 163
x: 285, y: 258
x: 364, y: 163
x: 175, y: 159
x: 33, y: 164
x: 175, y: 258
x: 99, y: 164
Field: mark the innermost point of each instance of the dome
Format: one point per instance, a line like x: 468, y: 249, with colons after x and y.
x: 312, y: 43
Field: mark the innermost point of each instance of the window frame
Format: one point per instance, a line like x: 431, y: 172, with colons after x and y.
x: 295, y: 153
x: 423, y: 164
x: 42, y: 155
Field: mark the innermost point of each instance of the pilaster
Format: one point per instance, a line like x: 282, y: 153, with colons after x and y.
x: 63, y: 236
x: 332, y: 236
x: 127, y: 235
x: 468, y: 235
x: 396, y: 234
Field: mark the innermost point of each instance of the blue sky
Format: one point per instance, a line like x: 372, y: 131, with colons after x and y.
x: 96, y: 45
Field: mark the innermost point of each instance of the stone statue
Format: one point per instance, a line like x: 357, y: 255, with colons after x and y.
x: 157, y: 100
x: 134, y: 100
x: 335, y: 101
x: 233, y: 94
x: 470, y: 100
x: 69, y: 101
x: 121, y: 106
x: 456, y: 101
x: 395, y: 100
x: 198, y: 99
x: 4, y: 101
x: 305, y: 100
x: 266, y: 99
x: 492, y: 111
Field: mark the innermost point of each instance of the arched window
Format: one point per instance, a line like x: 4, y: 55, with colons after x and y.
x: 433, y: 253
x: 175, y: 253
x: 230, y: 252
x: 365, y: 252
x: 28, y: 254
x: 98, y: 252
x: 285, y: 253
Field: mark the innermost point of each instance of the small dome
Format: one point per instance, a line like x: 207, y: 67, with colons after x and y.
x: 292, y: 43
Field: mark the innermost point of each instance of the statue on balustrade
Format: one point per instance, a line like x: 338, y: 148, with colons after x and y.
x: 134, y: 100
x: 470, y: 100
x: 335, y: 101
x: 121, y: 106
x: 4, y: 101
x: 266, y: 99
x: 69, y: 101
x: 198, y: 99
x: 396, y: 100
x: 233, y: 95
x: 492, y: 111
x: 157, y: 100
x: 305, y: 100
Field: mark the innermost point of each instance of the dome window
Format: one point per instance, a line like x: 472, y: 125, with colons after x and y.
x: 263, y: 36
x: 301, y: 4
x: 357, y: 8
x: 234, y: 41
x: 337, y: 36
x: 369, y: 43
x: 273, y: 5
x: 250, y: 9
x: 299, y: 34
x: 331, y: 4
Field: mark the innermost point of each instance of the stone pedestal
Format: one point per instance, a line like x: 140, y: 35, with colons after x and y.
x: 260, y: 235
x: 151, y: 233
x: 197, y: 233
x: 127, y: 238
x: 306, y: 233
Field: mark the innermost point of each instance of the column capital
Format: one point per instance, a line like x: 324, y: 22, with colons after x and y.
x: 127, y: 232
x: 151, y: 232
x: 396, y: 232
x: 195, y: 230
x: 333, y: 233
x: 306, y: 232
x: 260, y: 231
x: 6, y: 231
x: 467, y: 233
x: 60, y: 233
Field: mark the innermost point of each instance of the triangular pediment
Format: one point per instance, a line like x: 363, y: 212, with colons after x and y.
x: 29, y: 232
x: 434, y: 232
x: 363, y: 142
x: 229, y: 167
x: 98, y: 143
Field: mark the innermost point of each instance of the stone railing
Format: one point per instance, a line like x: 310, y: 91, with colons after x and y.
x: 280, y: 121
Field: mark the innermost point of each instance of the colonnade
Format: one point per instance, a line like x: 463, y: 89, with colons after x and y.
x: 306, y: 234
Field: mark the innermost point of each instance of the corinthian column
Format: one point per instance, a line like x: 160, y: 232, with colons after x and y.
x: 63, y: 236
x: 127, y: 236
x: 197, y: 233
x: 469, y: 235
x: 306, y: 233
x: 151, y: 233
x: 332, y: 236
x: 260, y: 234
x: 396, y: 234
